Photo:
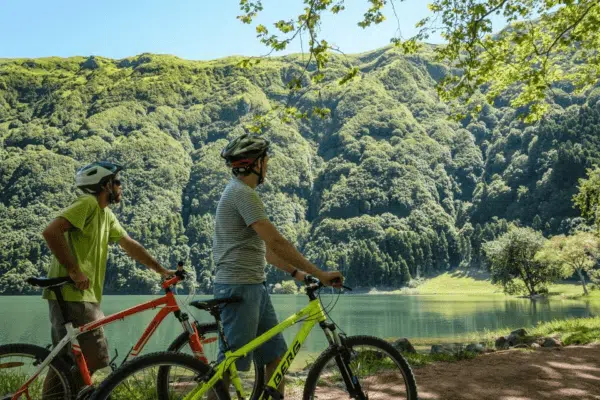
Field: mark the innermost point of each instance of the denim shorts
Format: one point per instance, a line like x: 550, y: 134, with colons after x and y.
x: 245, y: 321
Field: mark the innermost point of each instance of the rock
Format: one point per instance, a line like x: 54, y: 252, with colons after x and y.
x: 552, y: 342
x: 535, y: 346
x: 404, y: 346
x: 522, y: 346
x: 501, y: 343
x: 450, y: 349
x: 475, y: 348
x: 514, y: 340
x: 519, y: 332
x: 517, y: 337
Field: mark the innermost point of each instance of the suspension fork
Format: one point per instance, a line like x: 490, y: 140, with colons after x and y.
x: 342, y: 359
x: 193, y: 336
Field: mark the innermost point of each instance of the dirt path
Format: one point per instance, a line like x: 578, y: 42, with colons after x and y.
x: 558, y: 374
x: 569, y: 373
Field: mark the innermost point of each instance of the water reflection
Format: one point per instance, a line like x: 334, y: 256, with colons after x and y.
x: 385, y: 316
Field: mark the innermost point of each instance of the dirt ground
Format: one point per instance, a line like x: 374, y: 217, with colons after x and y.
x: 567, y: 373
x: 571, y: 372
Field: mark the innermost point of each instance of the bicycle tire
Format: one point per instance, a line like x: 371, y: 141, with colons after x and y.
x: 38, y: 354
x: 103, y: 392
x: 182, y: 340
x: 328, y: 355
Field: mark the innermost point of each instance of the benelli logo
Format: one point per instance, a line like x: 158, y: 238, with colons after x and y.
x: 285, y: 365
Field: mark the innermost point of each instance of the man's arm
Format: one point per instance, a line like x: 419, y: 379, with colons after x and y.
x: 276, y: 261
x: 54, y: 234
x: 288, y: 254
x: 139, y: 253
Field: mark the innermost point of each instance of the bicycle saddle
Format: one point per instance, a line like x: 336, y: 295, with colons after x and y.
x: 207, y: 305
x: 49, y: 282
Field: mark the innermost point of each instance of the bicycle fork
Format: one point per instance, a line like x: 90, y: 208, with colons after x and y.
x: 343, y: 359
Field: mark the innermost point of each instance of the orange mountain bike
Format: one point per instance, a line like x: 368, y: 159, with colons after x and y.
x: 30, y: 372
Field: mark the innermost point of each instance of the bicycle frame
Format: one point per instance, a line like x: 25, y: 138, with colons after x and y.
x: 312, y: 314
x: 170, y: 306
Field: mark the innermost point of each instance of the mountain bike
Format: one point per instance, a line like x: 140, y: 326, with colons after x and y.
x: 356, y: 367
x: 30, y: 372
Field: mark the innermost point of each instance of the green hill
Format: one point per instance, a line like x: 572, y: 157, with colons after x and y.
x: 386, y: 189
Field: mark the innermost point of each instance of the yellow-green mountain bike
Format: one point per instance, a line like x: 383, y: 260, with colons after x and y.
x: 352, y: 367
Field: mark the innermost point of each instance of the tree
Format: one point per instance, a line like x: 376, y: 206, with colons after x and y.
x: 512, y: 261
x: 588, y: 197
x: 285, y: 287
x: 578, y: 253
x: 527, y: 58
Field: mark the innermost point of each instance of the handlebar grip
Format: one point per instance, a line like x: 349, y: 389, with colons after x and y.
x: 180, y: 272
x: 338, y: 280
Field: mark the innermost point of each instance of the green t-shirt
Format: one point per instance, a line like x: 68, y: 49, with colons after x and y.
x: 93, y: 229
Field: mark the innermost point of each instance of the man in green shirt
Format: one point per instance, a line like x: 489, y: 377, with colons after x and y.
x: 79, y: 239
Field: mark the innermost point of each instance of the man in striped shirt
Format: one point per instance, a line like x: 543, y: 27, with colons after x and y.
x: 244, y: 239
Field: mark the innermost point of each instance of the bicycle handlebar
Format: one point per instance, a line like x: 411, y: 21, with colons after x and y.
x: 180, y: 275
x: 313, y: 283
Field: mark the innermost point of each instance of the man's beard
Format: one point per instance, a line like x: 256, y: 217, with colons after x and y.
x: 117, y: 198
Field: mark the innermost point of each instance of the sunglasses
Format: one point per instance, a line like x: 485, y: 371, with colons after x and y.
x: 116, y: 182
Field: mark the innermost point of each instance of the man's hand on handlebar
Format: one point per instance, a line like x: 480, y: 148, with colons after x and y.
x: 167, y: 273
x: 331, y: 278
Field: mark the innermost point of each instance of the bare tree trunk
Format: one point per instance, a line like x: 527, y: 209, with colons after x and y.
x: 582, y: 278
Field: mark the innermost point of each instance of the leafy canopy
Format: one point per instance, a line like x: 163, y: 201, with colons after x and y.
x: 573, y: 254
x: 527, y: 59
x: 513, y: 263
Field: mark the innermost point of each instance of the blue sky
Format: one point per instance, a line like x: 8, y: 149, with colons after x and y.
x: 190, y: 29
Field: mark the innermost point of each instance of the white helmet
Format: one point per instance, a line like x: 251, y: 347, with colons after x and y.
x: 244, y: 150
x: 93, y: 176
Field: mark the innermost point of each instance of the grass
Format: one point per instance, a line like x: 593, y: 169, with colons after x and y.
x: 578, y: 331
x: 572, y: 291
x: 460, y: 282
x: 473, y: 282
x: 570, y: 331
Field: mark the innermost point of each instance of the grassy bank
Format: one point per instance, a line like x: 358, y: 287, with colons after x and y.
x: 468, y: 282
x: 577, y: 331
x: 570, y: 331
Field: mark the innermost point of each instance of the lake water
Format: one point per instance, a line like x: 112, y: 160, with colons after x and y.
x: 25, y: 318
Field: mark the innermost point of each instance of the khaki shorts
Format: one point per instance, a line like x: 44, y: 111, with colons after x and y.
x: 93, y: 344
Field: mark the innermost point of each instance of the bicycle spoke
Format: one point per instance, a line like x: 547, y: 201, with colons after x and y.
x: 16, y: 369
x: 142, y: 384
x: 378, y: 375
x: 211, y: 351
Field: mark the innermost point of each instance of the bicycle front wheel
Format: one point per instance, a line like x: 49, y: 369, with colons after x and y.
x: 136, y: 379
x: 375, y: 370
x: 18, y: 363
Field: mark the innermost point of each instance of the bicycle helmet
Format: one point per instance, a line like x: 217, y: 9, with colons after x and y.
x: 243, y: 152
x: 92, y: 177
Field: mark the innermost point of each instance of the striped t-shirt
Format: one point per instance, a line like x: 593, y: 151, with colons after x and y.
x: 238, y: 251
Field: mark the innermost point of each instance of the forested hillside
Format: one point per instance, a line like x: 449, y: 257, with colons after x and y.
x: 386, y: 189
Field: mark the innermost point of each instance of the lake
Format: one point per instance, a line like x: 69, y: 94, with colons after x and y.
x: 25, y: 318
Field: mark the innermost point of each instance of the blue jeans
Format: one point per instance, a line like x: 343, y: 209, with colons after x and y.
x: 245, y: 321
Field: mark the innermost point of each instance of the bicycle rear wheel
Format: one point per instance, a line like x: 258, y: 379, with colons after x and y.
x: 18, y: 362
x: 377, y: 371
x: 136, y: 379
x: 252, y: 380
